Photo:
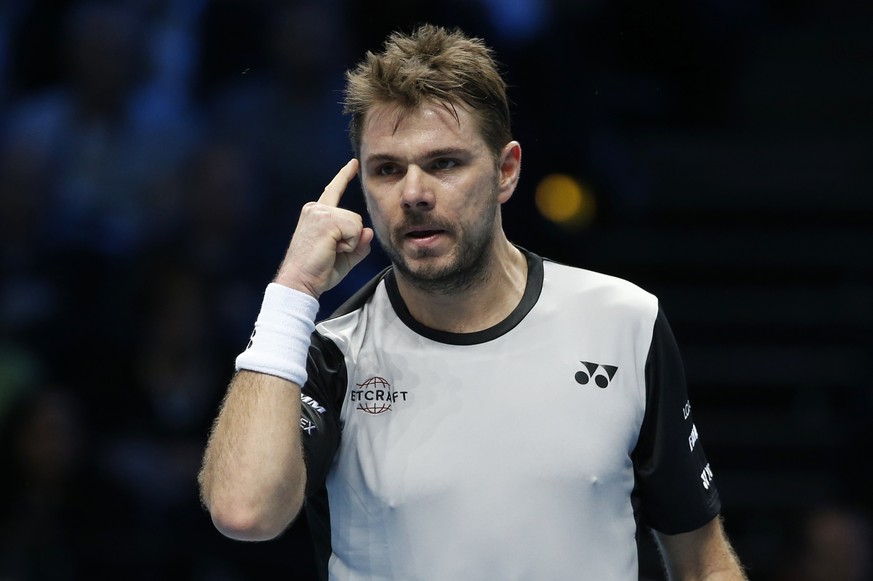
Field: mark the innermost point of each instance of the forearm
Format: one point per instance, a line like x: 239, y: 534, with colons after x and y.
x: 253, y: 478
x: 253, y: 475
x: 730, y: 571
x: 726, y: 568
x: 733, y: 574
x: 722, y: 567
x: 701, y: 555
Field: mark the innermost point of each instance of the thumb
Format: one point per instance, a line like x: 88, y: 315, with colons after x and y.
x: 346, y: 261
x: 363, y: 248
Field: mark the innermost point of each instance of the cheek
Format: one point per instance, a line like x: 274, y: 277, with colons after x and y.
x: 480, y: 197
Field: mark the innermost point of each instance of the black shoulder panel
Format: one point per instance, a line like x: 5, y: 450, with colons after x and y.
x: 674, y: 492
x: 361, y: 295
x: 322, y: 399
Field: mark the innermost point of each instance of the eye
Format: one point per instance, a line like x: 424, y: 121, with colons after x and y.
x: 444, y: 163
x: 387, y: 169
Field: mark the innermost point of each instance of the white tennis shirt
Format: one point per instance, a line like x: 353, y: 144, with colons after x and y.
x: 535, y: 449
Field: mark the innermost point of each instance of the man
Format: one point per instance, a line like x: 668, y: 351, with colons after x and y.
x: 475, y: 411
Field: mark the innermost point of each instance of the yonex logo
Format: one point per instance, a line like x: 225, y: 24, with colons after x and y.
x: 706, y: 477
x: 693, y: 437
x: 311, y: 402
x: 601, y: 374
x: 308, y: 426
x: 376, y: 396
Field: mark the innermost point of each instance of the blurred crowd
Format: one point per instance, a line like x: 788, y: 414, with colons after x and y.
x: 153, y: 158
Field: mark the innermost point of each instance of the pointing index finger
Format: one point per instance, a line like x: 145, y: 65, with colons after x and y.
x: 337, y: 186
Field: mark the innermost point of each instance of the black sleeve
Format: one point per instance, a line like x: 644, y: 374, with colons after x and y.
x: 322, y: 397
x: 321, y: 403
x: 674, y: 491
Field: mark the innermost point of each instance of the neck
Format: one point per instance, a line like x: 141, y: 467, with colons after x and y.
x: 477, y: 306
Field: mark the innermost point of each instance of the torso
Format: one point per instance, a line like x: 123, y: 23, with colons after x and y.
x: 489, y: 459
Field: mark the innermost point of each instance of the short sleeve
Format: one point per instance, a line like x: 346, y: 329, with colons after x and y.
x: 321, y: 404
x: 674, y: 490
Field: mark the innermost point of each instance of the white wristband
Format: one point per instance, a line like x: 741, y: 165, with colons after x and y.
x: 280, y: 342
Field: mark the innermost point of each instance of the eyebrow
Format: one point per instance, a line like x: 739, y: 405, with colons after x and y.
x: 432, y: 154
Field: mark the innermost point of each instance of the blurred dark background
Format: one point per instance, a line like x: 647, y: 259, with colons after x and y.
x: 154, y: 155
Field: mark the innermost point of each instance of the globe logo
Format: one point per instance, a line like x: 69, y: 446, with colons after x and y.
x: 375, y: 396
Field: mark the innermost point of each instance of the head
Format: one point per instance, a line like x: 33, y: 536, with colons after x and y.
x: 431, y: 65
x: 430, y: 125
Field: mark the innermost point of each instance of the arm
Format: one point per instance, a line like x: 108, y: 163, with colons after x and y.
x: 253, y: 476
x: 676, y: 493
x: 704, y: 554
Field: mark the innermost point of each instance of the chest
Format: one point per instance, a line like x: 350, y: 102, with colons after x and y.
x: 425, y: 420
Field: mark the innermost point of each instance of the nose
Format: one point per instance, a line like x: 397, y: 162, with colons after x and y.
x: 416, y: 193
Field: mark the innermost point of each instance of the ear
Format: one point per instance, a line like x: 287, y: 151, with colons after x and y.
x: 509, y: 170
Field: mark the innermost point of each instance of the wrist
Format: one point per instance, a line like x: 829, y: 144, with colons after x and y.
x: 279, y: 344
x: 291, y: 278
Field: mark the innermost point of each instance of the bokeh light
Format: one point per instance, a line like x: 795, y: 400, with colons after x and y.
x: 564, y: 200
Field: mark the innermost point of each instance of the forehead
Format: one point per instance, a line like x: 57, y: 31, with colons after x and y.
x: 390, y: 127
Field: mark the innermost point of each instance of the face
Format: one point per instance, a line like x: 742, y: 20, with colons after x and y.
x: 433, y: 191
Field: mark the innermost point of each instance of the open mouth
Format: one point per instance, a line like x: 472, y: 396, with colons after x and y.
x: 419, y: 234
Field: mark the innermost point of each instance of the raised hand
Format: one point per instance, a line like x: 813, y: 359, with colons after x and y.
x: 328, y: 241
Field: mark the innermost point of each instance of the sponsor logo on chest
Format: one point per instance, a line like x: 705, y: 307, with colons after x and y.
x: 598, y: 374
x: 376, y: 395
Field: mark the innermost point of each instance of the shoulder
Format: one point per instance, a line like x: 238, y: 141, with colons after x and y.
x: 343, y: 322
x: 597, y: 291
x: 360, y: 298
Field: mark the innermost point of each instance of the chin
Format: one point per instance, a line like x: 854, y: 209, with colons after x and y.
x: 427, y: 268
x: 443, y: 277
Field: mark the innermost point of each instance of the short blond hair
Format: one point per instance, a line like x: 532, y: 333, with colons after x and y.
x: 431, y: 64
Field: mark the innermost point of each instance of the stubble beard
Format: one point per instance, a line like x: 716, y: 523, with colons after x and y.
x: 468, y: 265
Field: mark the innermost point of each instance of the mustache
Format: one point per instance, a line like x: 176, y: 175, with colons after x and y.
x: 421, y: 220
